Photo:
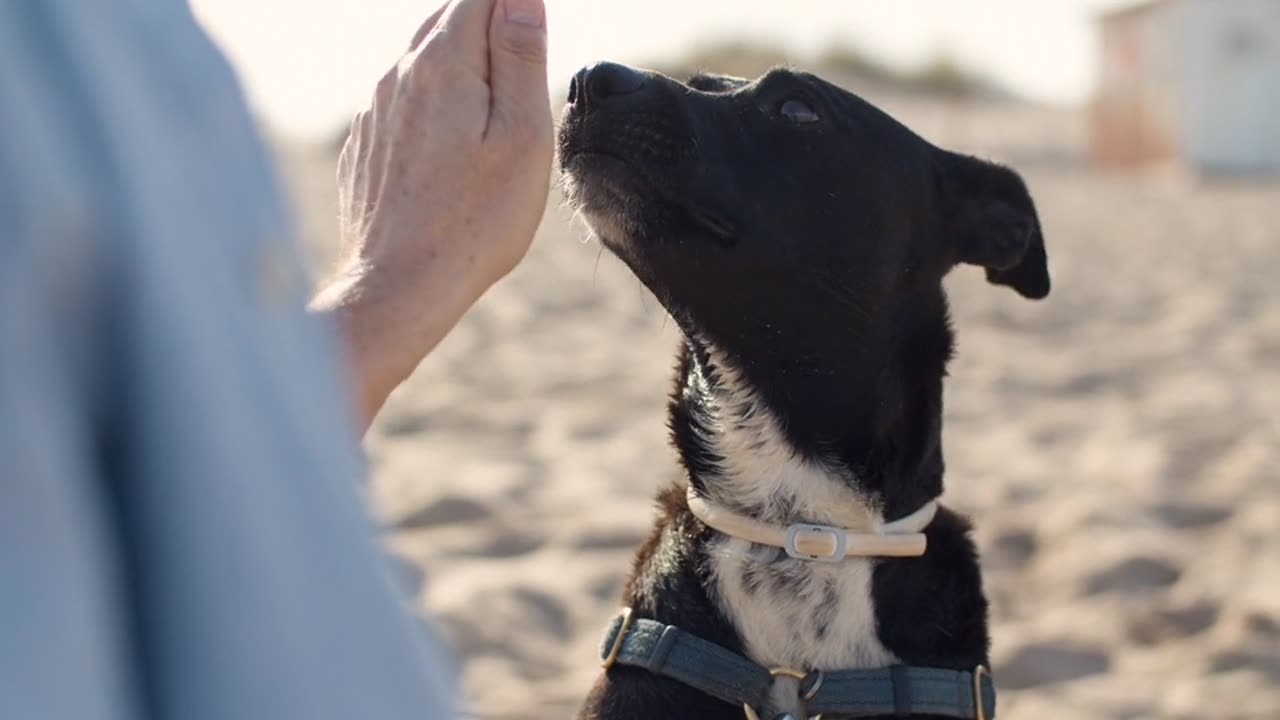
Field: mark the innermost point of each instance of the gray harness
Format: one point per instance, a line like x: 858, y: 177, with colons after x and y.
x: 895, y: 691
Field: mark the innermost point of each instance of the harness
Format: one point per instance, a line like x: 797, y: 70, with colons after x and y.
x: 899, y: 690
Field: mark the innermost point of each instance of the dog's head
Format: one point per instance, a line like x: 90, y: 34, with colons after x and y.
x: 800, y: 237
x: 745, y: 204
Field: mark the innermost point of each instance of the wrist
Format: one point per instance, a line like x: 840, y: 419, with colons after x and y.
x: 388, y: 320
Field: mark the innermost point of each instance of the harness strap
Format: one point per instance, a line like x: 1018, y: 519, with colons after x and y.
x: 907, y: 691
x: 900, y: 690
x: 671, y: 652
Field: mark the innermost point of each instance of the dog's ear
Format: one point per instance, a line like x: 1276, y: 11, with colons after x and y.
x: 990, y: 221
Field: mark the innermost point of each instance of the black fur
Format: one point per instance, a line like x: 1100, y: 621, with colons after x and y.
x: 811, y: 255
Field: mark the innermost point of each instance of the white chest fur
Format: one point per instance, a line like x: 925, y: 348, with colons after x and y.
x: 798, y: 614
x: 789, y: 613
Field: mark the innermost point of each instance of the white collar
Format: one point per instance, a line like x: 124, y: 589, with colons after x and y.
x: 824, y: 543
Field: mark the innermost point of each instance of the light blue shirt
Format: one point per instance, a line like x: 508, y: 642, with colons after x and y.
x: 181, y: 530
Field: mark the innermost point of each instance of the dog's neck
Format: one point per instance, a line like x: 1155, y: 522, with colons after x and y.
x: 846, y: 446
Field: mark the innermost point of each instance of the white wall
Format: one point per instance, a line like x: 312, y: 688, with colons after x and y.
x: 1231, y: 100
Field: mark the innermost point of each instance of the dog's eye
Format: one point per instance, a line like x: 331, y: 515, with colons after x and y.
x: 797, y: 111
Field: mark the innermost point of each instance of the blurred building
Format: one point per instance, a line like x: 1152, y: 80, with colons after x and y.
x: 1190, y: 81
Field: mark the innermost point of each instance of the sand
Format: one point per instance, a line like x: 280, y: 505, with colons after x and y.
x: 1117, y: 444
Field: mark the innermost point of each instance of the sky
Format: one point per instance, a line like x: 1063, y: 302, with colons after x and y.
x: 307, y: 65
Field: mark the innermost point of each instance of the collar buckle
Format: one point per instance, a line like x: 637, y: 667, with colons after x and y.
x: 624, y: 627
x: 805, y: 541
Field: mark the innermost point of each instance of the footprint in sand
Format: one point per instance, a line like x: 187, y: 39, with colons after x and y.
x: 445, y: 511
x: 1011, y: 550
x: 1236, y: 660
x: 1133, y: 576
x: 467, y: 637
x: 506, y: 544
x: 1262, y: 626
x: 1088, y: 384
x: 542, y: 611
x: 400, y: 425
x: 1190, y: 517
x: 502, y: 611
x: 606, y: 587
x: 591, y: 431
x: 1193, y: 451
x: 1038, y: 664
x: 1172, y: 623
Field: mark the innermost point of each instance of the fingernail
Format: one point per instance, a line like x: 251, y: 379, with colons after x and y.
x: 526, y: 12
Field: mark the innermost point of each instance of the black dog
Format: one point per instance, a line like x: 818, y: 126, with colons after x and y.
x: 799, y: 237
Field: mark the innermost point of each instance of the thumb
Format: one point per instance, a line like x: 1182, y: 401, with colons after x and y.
x: 520, y: 101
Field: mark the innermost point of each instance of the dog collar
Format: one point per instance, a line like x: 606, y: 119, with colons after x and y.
x: 823, y: 543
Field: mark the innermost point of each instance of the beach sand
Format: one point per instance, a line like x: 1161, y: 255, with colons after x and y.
x: 1117, y: 445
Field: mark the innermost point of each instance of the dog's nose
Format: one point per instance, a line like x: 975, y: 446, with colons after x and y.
x: 599, y: 84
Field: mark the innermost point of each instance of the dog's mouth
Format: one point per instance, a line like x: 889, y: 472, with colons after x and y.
x: 618, y: 192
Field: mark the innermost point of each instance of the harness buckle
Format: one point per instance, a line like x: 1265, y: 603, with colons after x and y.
x: 751, y: 714
x: 803, y: 539
x: 979, y: 703
x: 810, y: 682
x: 618, y: 639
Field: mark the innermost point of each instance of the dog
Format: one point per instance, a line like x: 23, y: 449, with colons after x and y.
x: 799, y: 237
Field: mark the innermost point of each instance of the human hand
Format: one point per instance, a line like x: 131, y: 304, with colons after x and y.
x: 442, y: 183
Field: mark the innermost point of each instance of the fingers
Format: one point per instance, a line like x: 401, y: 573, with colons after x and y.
x: 427, y: 26
x: 520, y: 103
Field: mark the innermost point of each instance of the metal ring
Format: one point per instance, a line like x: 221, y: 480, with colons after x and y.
x: 979, y: 704
x: 812, y: 692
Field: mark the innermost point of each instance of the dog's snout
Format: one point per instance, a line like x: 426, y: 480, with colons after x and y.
x: 606, y: 83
